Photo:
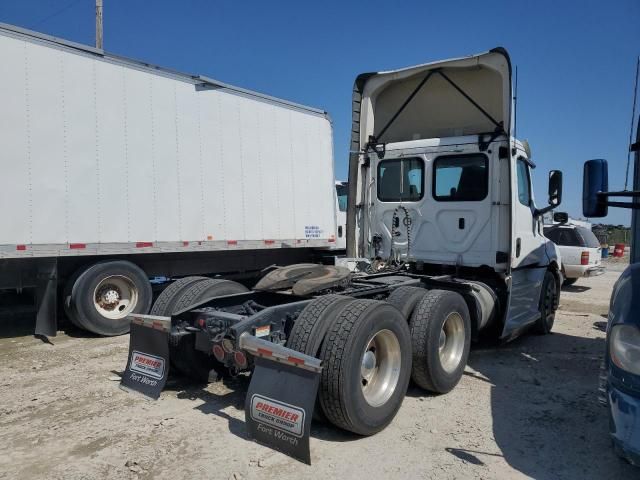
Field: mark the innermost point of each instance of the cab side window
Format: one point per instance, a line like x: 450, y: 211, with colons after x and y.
x: 524, y: 185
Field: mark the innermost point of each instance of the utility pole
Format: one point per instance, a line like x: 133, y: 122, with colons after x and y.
x: 99, y: 41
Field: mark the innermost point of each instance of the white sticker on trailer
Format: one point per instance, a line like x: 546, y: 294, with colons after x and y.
x: 312, y: 231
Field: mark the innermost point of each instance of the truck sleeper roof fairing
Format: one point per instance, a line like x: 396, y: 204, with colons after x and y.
x: 450, y: 98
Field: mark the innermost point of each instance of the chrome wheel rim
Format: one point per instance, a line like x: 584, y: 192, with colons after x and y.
x: 451, y: 342
x: 115, y: 297
x: 380, y: 367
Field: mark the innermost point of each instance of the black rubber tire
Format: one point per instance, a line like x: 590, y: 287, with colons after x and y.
x: 405, y: 299
x: 183, y: 355
x: 310, y: 328
x: 544, y: 324
x: 66, y: 296
x: 209, y: 288
x: 426, y: 323
x: 341, y: 395
x: 163, y: 306
x: 569, y: 281
x: 82, y: 309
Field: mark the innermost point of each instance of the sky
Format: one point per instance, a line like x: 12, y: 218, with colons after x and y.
x: 576, y: 59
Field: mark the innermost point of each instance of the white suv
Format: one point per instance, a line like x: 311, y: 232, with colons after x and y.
x: 579, y: 250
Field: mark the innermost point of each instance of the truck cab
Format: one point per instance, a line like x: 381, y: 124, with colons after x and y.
x: 439, y: 183
x: 444, y: 241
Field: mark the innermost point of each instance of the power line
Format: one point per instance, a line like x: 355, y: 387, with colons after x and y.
x: 56, y: 13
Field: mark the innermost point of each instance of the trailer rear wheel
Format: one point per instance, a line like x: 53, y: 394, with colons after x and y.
x: 405, y: 299
x: 105, y: 293
x: 66, y: 297
x: 367, y: 364
x: 183, y: 354
x: 163, y: 305
x: 441, y: 338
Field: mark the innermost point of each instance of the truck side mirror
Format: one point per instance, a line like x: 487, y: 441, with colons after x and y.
x: 595, y: 179
x: 555, y: 187
x: 561, y: 217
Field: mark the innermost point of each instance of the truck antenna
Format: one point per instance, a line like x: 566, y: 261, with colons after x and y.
x: 633, y: 117
x: 515, y: 105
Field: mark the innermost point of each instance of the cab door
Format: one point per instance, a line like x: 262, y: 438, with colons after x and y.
x: 528, y: 254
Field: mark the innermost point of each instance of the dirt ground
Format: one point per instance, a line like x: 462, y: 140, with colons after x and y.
x: 525, y: 409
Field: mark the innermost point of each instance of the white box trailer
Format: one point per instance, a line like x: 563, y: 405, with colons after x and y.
x: 106, y: 158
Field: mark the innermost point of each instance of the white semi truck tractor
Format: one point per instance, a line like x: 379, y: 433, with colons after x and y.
x: 444, y: 242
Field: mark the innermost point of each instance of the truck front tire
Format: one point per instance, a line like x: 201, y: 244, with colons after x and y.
x: 441, y: 338
x: 105, y: 294
x: 547, y: 304
x: 366, y: 356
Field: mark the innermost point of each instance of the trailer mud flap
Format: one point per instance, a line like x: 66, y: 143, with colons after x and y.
x: 148, y: 363
x: 281, y: 397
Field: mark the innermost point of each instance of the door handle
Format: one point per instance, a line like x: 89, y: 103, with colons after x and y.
x: 518, y: 245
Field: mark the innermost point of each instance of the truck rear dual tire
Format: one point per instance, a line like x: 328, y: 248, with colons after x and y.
x: 310, y: 328
x: 178, y: 296
x: 441, y: 339
x: 163, y: 306
x: 405, y: 299
x: 366, y: 356
x: 102, y: 296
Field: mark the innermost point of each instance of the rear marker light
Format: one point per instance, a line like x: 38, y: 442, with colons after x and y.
x: 232, y: 242
x: 584, y: 258
x: 21, y: 247
x: 269, y: 242
x: 296, y: 360
x: 144, y: 244
x: 218, y: 352
x: 240, y: 359
x: 76, y: 246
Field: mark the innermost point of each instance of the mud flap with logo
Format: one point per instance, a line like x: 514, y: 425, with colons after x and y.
x: 148, y: 362
x: 281, y: 397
